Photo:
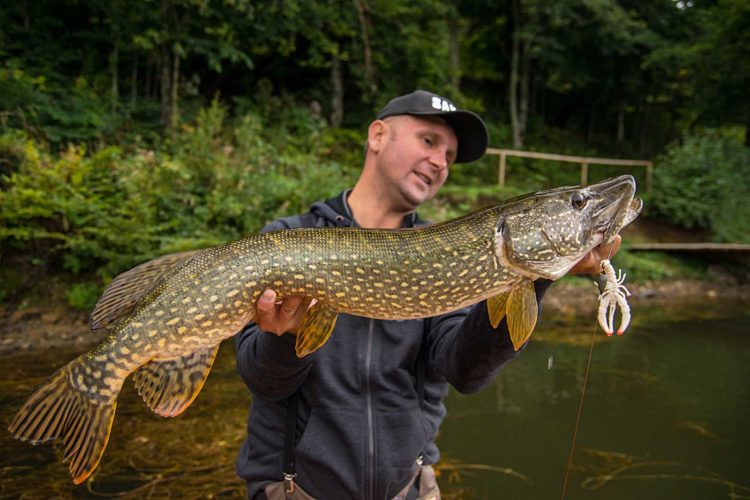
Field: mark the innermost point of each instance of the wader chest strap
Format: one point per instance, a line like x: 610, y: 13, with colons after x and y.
x: 290, y: 468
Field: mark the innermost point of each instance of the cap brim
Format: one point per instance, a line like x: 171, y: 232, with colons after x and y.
x: 471, y: 133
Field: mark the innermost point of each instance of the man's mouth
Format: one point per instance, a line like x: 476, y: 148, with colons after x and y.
x: 427, y: 180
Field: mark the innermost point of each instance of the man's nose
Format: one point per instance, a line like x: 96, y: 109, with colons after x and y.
x: 439, y: 159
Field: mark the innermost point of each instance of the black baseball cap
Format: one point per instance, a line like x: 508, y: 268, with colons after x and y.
x: 469, y: 128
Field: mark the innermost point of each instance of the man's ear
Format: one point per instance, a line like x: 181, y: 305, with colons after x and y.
x: 377, y: 133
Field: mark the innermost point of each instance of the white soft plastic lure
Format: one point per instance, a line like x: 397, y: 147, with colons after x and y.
x: 614, y: 294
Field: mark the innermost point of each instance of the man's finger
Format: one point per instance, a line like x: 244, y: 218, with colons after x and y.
x: 591, y: 263
x: 266, y: 302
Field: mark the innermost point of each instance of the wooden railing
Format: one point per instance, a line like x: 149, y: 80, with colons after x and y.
x: 582, y: 160
x: 692, y: 247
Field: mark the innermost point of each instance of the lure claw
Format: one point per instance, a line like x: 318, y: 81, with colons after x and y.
x: 613, y: 296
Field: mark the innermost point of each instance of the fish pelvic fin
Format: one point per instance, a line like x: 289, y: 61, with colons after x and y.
x: 128, y: 288
x: 57, y: 410
x: 315, y: 330
x: 496, y: 308
x: 522, y: 311
x: 169, y: 386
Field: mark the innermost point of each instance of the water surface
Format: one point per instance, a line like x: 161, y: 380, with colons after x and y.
x: 665, y: 415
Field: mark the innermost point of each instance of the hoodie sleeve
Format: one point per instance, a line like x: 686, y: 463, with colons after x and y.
x: 267, y: 362
x: 467, y: 350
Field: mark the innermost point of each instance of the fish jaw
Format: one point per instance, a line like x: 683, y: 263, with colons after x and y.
x: 543, y: 235
x: 617, y: 206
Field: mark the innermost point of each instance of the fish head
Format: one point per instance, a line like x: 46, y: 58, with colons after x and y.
x: 545, y: 234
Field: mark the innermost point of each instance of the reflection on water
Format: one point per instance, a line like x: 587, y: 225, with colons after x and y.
x: 665, y: 416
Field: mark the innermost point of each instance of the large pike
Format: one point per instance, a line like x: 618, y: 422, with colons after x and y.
x: 167, y: 317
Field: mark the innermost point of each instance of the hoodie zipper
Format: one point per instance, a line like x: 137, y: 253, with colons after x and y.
x: 370, y: 425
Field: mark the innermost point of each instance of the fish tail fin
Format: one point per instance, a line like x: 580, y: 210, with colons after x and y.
x: 57, y: 410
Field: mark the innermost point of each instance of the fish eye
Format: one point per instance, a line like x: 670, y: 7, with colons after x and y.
x: 578, y: 200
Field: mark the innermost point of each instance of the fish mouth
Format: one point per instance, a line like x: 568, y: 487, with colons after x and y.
x: 616, y: 207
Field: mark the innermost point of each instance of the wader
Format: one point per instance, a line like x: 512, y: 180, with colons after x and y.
x: 423, y: 479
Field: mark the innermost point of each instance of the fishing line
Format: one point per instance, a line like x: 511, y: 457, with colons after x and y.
x: 580, y: 403
x: 580, y: 409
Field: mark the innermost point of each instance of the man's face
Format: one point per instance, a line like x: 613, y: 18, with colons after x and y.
x: 414, y: 158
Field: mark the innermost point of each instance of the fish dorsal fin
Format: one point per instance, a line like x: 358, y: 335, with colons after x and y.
x: 124, y: 292
x: 496, y: 308
x: 168, y: 386
x: 522, y: 311
x: 315, y: 329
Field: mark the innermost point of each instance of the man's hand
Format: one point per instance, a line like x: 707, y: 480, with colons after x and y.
x: 282, y: 317
x: 592, y: 263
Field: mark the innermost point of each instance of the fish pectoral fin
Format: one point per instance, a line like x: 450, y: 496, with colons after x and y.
x: 169, y: 386
x: 58, y: 411
x: 128, y: 288
x: 315, y: 330
x: 522, y: 311
x: 496, y: 308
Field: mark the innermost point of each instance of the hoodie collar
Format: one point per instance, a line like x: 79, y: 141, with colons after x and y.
x: 337, y: 211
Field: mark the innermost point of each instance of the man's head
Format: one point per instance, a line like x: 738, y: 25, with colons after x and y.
x: 407, y: 160
x: 410, y: 146
x: 470, y: 130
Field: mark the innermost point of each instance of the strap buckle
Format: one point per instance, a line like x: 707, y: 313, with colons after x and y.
x: 289, y: 482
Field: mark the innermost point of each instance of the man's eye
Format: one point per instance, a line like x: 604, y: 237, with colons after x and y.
x: 428, y: 141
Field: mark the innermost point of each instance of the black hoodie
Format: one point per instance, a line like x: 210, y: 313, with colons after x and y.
x: 360, y: 427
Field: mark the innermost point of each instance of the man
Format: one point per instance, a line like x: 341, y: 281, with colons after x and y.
x: 358, y: 418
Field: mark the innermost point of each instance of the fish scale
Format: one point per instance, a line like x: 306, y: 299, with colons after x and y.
x: 167, y: 317
x: 363, y: 279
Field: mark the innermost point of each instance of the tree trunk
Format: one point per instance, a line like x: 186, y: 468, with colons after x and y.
x: 148, y: 79
x: 337, y: 96
x: 364, y: 23
x: 516, y: 116
x: 114, y: 60
x: 642, y: 135
x: 134, y: 82
x: 26, y: 18
x: 513, y: 84
x: 590, y: 130
x: 523, y: 105
x: 165, y: 89
x: 621, y: 123
x: 174, y: 98
x: 454, y: 52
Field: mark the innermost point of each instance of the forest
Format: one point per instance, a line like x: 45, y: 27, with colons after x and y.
x: 133, y: 129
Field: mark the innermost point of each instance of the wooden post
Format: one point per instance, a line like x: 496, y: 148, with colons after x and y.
x: 501, y: 171
x: 649, y: 175
x: 584, y: 173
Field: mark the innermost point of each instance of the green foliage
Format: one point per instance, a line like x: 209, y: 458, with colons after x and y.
x: 83, y: 295
x: 704, y: 182
x: 53, y: 111
x: 108, y: 210
x: 656, y: 266
x: 74, y: 203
